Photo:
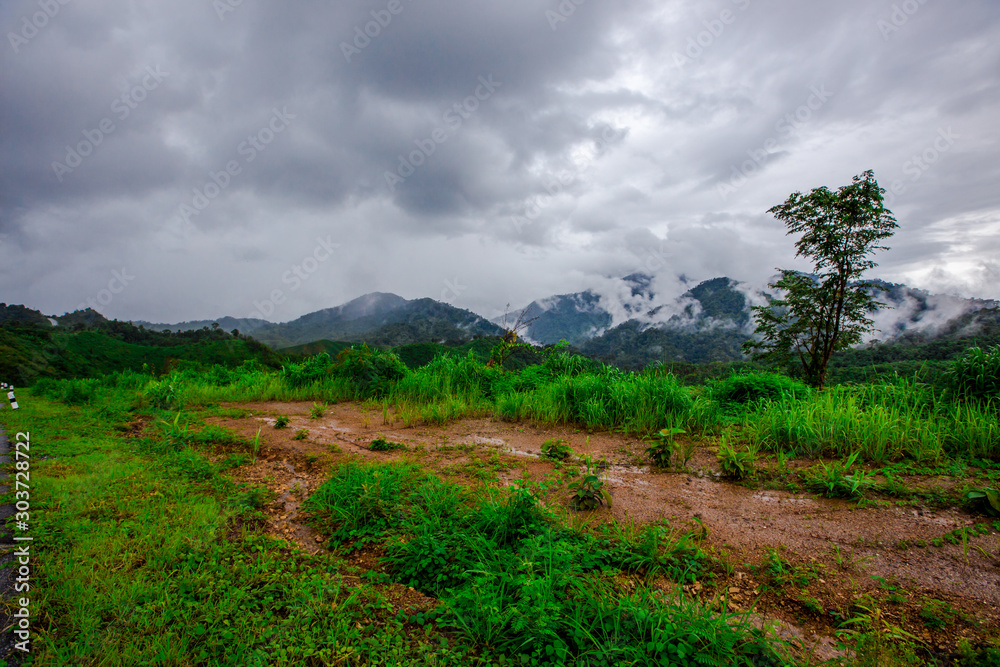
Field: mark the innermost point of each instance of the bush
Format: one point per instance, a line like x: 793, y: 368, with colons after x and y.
x: 371, y: 371
x: 975, y: 376
x: 744, y: 388
x: 309, y: 371
x: 164, y: 395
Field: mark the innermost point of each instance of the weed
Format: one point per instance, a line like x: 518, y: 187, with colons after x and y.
x: 588, y: 491
x: 833, y: 480
x: 667, y: 452
x: 556, y: 449
x: 301, y: 434
x: 281, y: 421
x: 380, y: 444
x: 177, y: 435
x: 317, y: 411
x: 738, y: 465
x: 984, y: 500
x: 255, y: 445
x: 937, y: 614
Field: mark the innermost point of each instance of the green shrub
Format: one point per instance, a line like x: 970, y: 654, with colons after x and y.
x: 975, y: 376
x: 281, y: 421
x: 735, y: 464
x: 382, y: 445
x: 833, y: 480
x: 371, y: 371
x: 984, y: 500
x: 164, y: 395
x: 307, y: 372
x: 745, y: 388
x: 556, y: 449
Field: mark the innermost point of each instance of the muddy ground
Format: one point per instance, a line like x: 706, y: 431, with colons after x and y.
x: 853, y: 556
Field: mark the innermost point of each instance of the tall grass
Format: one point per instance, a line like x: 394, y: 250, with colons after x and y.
x: 887, y: 420
x: 883, y: 422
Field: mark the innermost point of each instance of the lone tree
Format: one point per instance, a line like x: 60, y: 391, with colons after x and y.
x: 825, y: 311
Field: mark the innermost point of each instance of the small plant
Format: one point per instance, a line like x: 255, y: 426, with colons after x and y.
x: 317, y: 411
x: 177, y: 433
x: 667, y: 453
x: 833, y: 480
x: 255, y: 445
x: 301, y: 434
x: 589, y: 492
x: 382, y: 445
x: 281, y: 422
x: 937, y: 614
x: 556, y: 449
x: 984, y: 500
x: 735, y: 464
x: 334, y: 448
x: 781, y: 572
x: 811, y: 604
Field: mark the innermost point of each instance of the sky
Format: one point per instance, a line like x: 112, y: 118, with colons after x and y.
x: 195, y: 159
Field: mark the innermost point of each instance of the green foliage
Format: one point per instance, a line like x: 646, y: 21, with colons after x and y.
x: 301, y: 434
x: 884, y: 421
x: 975, y: 376
x: 162, y: 395
x: 317, y: 411
x: 822, y: 313
x: 937, y: 614
x: 667, y: 452
x: 984, y: 500
x: 833, y: 480
x: 588, y: 491
x: 511, y: 581
x: 380, y: 444
x: 737, y: 464
x: 745, y: 388
x: 371, y: 371
x: 309, y: 371
x: 360, y: 502
x: 781, y: 573
x: 556, y: 449
x: 281, y: 421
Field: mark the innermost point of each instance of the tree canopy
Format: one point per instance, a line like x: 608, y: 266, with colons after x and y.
x: 827, y: 310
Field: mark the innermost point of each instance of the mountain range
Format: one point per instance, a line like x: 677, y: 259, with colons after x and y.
x: 629, y: 321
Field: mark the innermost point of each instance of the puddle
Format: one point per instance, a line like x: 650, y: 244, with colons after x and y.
x: 481, y: 440
x: 518, y: 452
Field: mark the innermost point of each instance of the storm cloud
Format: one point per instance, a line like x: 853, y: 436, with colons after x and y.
x: 225, y: 155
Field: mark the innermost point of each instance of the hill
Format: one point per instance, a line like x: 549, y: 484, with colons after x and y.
x: 378, y: 318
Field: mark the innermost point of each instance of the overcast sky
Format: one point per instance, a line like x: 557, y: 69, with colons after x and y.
x: 193, y: 159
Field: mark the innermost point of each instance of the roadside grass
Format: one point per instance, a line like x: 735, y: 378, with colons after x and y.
x: 144, y: 554
x: 509, y: 576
